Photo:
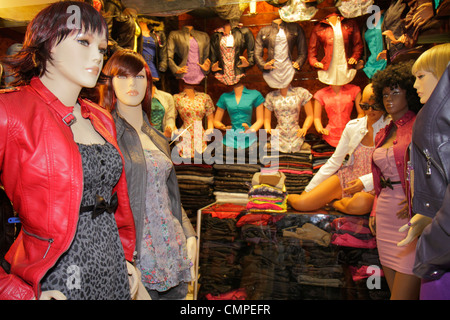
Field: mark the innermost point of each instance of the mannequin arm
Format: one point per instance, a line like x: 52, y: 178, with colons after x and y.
x: 259, y: 118
x: 191, y: 248
x: 309, y: 118
x: 218, y: 119
x: 318, y: 118
x: 415, y: 226
x: 267, y: 120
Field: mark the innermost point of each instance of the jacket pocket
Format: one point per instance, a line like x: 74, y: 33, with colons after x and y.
x: 49, y: 240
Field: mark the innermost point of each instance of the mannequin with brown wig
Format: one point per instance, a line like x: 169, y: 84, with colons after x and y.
x: 165, y: 238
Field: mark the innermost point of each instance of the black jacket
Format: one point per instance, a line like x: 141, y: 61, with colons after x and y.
x: 266, y: 39
x: 430, y: 157
x: 243, y: 40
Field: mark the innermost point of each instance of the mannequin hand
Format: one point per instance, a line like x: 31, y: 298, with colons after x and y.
x: 247, y: 128
x: 244, y: 62
x: 373, y: 225
x: 269, y: 65
x: 269, y: 131
x: 296, y: 65
x: 354, y: 186
x: 416, y: 226
x: 215, y: 67
x: 301, y: 132
x: 391, y: 36
x: 168, y: 132
x: 324, y: 131
x: 318, y: 65
x: 182, y: 70
x: 352, y: 61
x: 191, y: 248
x: 382, y: 55
x: 403, y: 212
x: 205, y: 66
x: 360, y: 65
x: 209, y: 131
x: 52, y: 295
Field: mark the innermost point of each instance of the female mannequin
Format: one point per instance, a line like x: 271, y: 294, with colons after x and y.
x: 228, y: 45
x: 153, y: 46
x: 192, y: 107
x: 280, y: 39
x: 240, y: 104
x: 190, y: 47
x: 393, y: 87
x: 287, y: 103
x: 165, y: 237
x: 163, y: 112
x: 65, y: 167
x: 351, y: 183
x: 341, y: 41
x: 430, y: 197
x: 338, y: 102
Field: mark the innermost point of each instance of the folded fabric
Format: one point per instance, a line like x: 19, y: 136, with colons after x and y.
x: 347, y: 240
x: 238, y: 294
x: 310, y: 232
x: 352, y: 224
x: 362, y: 272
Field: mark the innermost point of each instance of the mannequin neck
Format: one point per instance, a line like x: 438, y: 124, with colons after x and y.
x: 284, y: 91
x: 189, y: 91
x: 336, y: 89
x: 132, y: 114
x: 66, y: 91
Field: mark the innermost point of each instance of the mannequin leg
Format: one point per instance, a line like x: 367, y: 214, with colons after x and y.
x: 402, y: 286
x: 360, y: 204
x: 329, y: 190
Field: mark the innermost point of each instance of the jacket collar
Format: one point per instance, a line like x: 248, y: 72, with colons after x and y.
x: 407, y: 117
x: 158, y: 139
x: 325, y: 20
x: 65, y: 112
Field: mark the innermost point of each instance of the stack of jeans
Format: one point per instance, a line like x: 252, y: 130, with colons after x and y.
x: 220, y: 250
x: 321, y: 152
x: 196, y: 182
x: 233, y: 179
x: 358, y: 252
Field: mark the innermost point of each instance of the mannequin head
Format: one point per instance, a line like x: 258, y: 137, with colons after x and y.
x: 394, y: 89
x: 429, y: 68
x: 126, y: 68
x: 368, y: 103
x: 54, y: 24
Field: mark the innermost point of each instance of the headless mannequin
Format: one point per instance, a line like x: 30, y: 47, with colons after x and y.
x: 306, y: 124
x: 330, y: 189
x: 318, y: 111
x: 238, y: 89
x: 189, y: 90
x: 134, y: 116
x: 205, y: 66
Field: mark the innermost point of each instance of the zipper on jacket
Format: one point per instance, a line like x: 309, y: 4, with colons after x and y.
x: 427, y: 155
x: 50, y: 241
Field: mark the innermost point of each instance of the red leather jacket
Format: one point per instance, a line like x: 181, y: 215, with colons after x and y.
x: 41, y: 170
x: 323, y: 35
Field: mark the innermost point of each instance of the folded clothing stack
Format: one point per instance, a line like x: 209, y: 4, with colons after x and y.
x: 268, y: 193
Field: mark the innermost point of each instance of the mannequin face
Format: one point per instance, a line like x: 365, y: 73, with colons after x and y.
x: 130, y: 91
x: 368, y: 99
x: 395, y: 102
x: 78, y: 59
x: 425, y: 84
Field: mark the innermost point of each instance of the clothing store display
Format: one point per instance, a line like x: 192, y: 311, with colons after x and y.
x: 353, y: 8
x: 287, y: 111
x: 192, y: 112
x: 393, y: 21
x: 163, y: 112
x: 96, y: 252
x: 388, y: 204
x: 354, y: 132
x: 338, y: 107
x: 430, y: 199
x: 374, y: 40
x: 227, y: 49
x: 181, y: 52
x: 30, y: 259
x: 290, y: 36
x: 154, y: 46
x: 340, y: 41
x: 298, y: 10
x: 240, y: 113
x: 121, y: 26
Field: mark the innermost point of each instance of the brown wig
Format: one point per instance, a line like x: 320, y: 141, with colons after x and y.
x: 47, y: 29
x: 125, y: 63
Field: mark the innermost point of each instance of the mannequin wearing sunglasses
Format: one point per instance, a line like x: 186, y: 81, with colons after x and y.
x: 351, y: 184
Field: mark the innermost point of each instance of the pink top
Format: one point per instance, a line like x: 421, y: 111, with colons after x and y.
x: 338, y: 108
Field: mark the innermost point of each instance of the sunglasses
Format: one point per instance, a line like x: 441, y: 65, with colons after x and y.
x: 375, y: 107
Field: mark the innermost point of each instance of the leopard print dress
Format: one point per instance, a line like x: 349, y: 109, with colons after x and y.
x: 94, y: 267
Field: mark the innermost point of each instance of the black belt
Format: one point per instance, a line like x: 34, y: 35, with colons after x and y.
x: 101, y: 206
x: 387, y: 183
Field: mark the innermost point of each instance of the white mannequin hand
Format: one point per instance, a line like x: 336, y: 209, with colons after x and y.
x: 52, y: 295
x: 191, y: 248
x: 416, y: 226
